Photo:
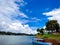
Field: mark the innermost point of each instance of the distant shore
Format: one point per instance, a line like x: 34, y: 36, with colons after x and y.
x: 11, y: 33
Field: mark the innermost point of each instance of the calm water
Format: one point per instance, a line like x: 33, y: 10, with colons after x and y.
x: 16, y: 40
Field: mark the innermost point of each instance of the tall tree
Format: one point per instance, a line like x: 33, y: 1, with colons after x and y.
x: 52, y: 25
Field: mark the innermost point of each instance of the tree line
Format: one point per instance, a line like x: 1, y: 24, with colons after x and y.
x: 11, y: 33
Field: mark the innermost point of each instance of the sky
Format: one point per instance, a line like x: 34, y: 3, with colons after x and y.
x: 25, y: 16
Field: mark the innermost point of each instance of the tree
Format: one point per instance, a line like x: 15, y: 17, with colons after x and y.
x: 40, y: 31
x: 52, y: 25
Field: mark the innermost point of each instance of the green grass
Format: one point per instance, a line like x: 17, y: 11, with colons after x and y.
x: 49, y: 36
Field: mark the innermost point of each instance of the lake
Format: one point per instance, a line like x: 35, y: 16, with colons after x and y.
x: 16, y: 40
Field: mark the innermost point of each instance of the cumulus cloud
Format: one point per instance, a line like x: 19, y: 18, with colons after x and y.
x: 54, y: 14
x: 9, y: 9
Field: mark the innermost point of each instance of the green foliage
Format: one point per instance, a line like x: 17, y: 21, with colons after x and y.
x: 40, y: 31
x: 52, y: 25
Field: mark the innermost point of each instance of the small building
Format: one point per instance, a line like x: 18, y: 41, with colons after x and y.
x: 47, y: 31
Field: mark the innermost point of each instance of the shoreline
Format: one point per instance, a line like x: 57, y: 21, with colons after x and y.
x: 51, y: 41
x: 55, y: 40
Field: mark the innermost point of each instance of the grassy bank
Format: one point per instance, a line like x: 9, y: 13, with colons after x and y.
x: 50, y: 37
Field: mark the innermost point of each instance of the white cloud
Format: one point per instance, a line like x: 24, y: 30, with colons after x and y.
x: 8, y: 9
x: 34, y: 19
x: 21, y: 28
x: 44, y: 27
x: 30, y: 31
x: 54, y: 14
x: 23, y: 15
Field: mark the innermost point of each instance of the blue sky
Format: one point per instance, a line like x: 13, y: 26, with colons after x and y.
x: 36, y: 8
x: 25, y: 16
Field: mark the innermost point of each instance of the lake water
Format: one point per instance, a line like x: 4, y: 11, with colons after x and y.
x: 16, y: 40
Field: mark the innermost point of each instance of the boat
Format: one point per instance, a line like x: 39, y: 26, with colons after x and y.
x: 38, y: 41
